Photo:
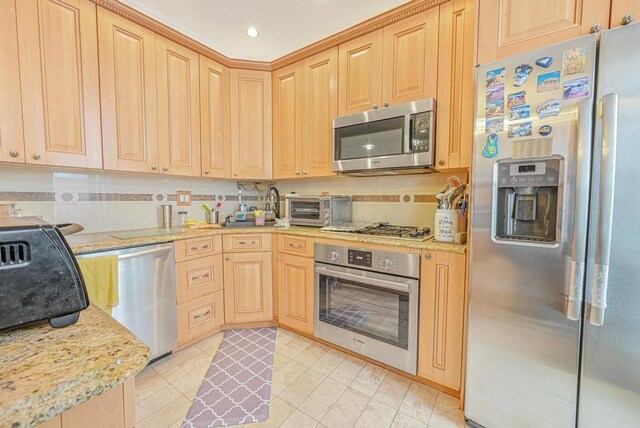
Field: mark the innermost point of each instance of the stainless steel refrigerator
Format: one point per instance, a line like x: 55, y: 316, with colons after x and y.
x: 554, y: 309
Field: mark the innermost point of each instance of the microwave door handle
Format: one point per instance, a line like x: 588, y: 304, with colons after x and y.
x: 402, y: 287
x: 580, y: 210
x: 608, y: 110
x: 407, y: 134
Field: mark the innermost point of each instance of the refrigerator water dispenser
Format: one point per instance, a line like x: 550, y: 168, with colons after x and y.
x: 526, y: 200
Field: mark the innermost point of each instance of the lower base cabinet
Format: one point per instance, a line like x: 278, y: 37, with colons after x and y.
x: 200, y: 316
x: 442, y: 303
x: 295, y: 292
x: 248, y: 295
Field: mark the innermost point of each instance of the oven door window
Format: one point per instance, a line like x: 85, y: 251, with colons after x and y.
x: 305, y: 210
x: 373, y: 139
x: 375, y: 312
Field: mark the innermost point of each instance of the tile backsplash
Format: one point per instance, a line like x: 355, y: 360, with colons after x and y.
x: 102, y: 201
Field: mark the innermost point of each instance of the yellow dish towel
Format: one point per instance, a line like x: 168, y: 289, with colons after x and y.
x: 101, y: 278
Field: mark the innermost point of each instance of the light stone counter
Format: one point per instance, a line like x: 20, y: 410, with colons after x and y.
x: 45, y: 371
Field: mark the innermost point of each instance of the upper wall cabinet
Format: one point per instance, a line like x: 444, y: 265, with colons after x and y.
x: 287, y: 121
x: 178, y: 75
x: 624, y: 12
x: 360, y: 85
x: 215, y: 122
x: 410, y: 65
x: 455, y: 85
x: 251, y: 124
x: 58, y: 51
x: 11, y: 136
x: 319, y: 108
x: 510, y: 27
x: 128, y: 94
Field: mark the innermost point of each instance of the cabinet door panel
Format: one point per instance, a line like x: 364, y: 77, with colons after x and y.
x: 410, y: 68
x: 247, y: 287
x: 215, y: 122
x: 295, y: 292
x: 178, y: 108
x: 128, y: 94
x: 360, y: 69
x: 320, y: 107
x: 287, y: 122
x: 622, y: 8
x: 510, y: 27
x: 442, y: 303
x: 59, y: 81
x: 251, y: 124
x: 11, y: 134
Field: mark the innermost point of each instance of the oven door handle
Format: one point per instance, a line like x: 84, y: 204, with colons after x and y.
x: 402, y: 285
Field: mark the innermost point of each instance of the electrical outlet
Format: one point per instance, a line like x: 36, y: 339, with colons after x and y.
x: 183, y: 198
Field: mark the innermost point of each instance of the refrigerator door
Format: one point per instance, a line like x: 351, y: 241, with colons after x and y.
x: 526, y: 295
x: 610, y: 383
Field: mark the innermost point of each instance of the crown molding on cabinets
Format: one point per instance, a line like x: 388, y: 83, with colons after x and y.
x: 368, y: 26
x: 373, y: 24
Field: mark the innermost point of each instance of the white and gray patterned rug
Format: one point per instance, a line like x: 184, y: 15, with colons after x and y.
x: 237, y: 387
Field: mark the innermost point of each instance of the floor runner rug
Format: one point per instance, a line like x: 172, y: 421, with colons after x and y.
x: 237, y: 387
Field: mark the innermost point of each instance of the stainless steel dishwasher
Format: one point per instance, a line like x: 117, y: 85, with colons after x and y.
x: 147, y: 295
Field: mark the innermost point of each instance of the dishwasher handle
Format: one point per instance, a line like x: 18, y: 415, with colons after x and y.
x: 158, y: 251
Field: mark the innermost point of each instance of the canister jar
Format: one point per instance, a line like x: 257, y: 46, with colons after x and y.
x: 445, y: 225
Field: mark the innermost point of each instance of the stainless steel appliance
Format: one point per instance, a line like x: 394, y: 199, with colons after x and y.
x: 39, y: 276
x: 411, y: 233
x: 554, y: 266
x: 147, y: 295
x: 393, y: 139
x: 367, y: 301
x: 318, y: 210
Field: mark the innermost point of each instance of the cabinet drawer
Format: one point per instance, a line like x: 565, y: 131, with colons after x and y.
x: 247, y: 242
x: 195, y: 278
x: 189, y: 249
x: 200, y: 316
x: 295, y: 245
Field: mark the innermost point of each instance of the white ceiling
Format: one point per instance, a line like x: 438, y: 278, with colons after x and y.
x: 284, y: 25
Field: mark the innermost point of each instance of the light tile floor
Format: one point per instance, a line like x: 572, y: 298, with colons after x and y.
x: 313, y: 386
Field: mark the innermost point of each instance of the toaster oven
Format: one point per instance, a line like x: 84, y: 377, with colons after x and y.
x: 318, y: 210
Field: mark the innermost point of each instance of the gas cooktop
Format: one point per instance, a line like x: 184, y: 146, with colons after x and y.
x: 383, y: 229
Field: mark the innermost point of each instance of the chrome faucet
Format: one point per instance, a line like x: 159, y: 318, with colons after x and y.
x: 273, y: 198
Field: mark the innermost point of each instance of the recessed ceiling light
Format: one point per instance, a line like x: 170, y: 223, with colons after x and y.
x: 252, y: 32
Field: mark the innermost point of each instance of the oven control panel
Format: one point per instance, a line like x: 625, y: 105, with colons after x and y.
x: 359, y: 258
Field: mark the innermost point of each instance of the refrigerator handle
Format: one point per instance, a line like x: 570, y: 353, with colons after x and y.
x: 608, y: 110
x: 580, y: 210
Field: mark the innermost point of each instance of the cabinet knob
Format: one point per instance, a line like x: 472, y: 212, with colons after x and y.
x: 386, y: 104
x: 227, y: 258
x: 279, y: 258
x: 235, y: 173
x: 165, y: 168
x: 14, y: 154
x: 427, y: 256
x: 304, y: 172
x: 627, y: 19
x: 441, y: 162
x: 375, y: 106
x: 154, y: 167
x: 596, y: 28
x: 297, y: 172
x: 206, y: 171
x: 36, y: 156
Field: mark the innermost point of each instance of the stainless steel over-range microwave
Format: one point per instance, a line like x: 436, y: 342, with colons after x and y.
x: 392, y: 138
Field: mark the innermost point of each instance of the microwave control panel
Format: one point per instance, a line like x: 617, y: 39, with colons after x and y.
x: 420, y: 131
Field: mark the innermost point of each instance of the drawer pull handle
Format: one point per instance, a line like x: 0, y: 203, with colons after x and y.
x: 296, y: 246
x: 247, y: 242
x: 201, y: 247
x: 197, y: 317
x: 203, y: 276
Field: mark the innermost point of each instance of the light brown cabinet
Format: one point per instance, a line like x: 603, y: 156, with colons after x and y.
x: 624, y: 12
x: 295, y: 292
x: 455, y: 92
x: 58, y: 52
x: 215, y: 120
x: 410, y: 58
x: 248, y: 287
x: 178, y: 78
x: 287, y: 122
x: 128, y: 93
x: 11, y: 133
x: 251, y: 124
x: 360, y: 74
x: 510, y: 27
x: 442, y: 305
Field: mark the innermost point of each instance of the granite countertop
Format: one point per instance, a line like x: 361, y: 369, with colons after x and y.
x: 91, y: 242
x: 45, y: 371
